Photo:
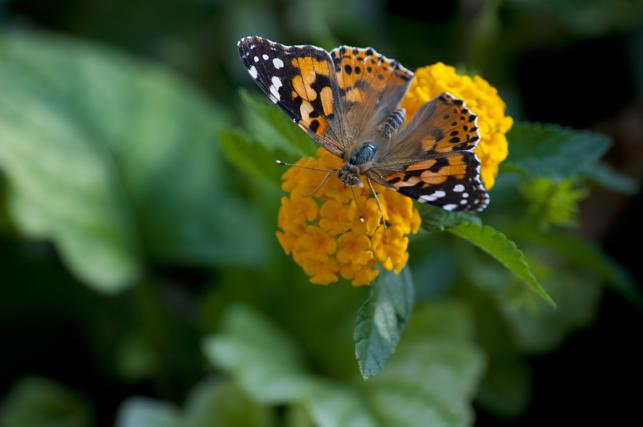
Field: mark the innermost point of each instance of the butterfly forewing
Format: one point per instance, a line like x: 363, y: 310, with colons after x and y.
x: 371, y: 87
x: 301, y: 81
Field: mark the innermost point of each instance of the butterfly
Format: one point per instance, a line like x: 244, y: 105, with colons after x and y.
x: 348, y: 101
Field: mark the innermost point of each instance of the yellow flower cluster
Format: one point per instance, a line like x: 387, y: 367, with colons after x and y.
x: 480, y: 97
x: 324, y: 234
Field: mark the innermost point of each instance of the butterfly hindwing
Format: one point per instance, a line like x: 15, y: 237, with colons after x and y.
x: 451, y: 182
x: 431, y: 160
x: 301, y: 81
x: 371, y: 87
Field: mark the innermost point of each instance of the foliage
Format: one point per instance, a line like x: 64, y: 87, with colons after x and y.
x: 138, y: 210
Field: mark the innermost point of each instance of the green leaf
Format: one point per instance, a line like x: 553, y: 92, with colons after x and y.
x: 550, y: 151
x: 216, y: 403
x: 143, y: 412
x: 251, y: 157
x: 489, y: 240
x: 212, y: 403
x: 506, y: 387
x: 589, y: 257
x: 269, y: 367
x: 289, y: 136
x: 38, y: 402
x: 603, y: 175
x: 434, y: 373
x: 113, y: 158
x: 430, y: 380
x: 381, y: 319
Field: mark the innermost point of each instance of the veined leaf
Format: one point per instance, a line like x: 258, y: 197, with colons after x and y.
x: 550, y: 151
x: 490, y: 240
x: 381, y: 319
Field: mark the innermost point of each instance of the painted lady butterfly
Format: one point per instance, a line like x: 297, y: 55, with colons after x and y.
x: 348, y: 99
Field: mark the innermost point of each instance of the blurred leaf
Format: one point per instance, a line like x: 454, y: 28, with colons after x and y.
x: 428, y: 381
x: 588, y: 257
x: 381, y: 319
x: 216, y: 403
x: 490, y: 240
x: 537, y: 329
x: 553, y: 202
x: 38, y: 402
x: 506, y: 388
x: 551, y: 151
x: 269, y: 367
x: 603, y: 175
x: 143, y: 412
x: 434, y: 373
x: 212, y: 403
x: 291, y: 137
x: 112, y: 158
x: 251, y: 157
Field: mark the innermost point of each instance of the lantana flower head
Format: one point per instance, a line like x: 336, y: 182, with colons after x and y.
x: 324, y: 233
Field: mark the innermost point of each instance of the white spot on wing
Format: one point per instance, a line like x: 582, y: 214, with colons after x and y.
x: 449, y: 207
x: 458, y: 188
x: 432, y: 197
x: 265, y: 57
x: 274, y: 87
x: 278, y: 63
x: 253, y: 72
x: 256, y: 59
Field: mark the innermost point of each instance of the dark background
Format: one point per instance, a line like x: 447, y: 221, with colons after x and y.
x: 593, y: 64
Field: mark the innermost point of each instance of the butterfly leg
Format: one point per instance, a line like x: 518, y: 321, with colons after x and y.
x: 377, y: 200
x: 359, y: 209
x: 320, y: 185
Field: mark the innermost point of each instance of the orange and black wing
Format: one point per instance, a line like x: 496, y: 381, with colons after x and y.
x: 432, y: 159
x: 371, y: 86
x: 301, y: 81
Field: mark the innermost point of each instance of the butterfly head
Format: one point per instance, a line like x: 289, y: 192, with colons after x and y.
x: 358, y: 162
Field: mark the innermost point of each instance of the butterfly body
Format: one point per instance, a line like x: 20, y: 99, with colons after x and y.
x: 347, y: 100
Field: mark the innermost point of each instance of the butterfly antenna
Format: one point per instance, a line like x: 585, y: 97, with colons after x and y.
x: 320, y: 185
x: 377, y: 200
x: 359, y: 209
x: 282, y: 163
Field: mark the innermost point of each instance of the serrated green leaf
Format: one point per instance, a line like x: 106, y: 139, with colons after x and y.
x: 110, y: 158
x: 551, y: 151
x: 603, y: 175
x: 292, y: 138
x: 490, y: 240
x: 502, y: 249
x: 251, y: 157
x: 37, y: 402
x: 381, y: 319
